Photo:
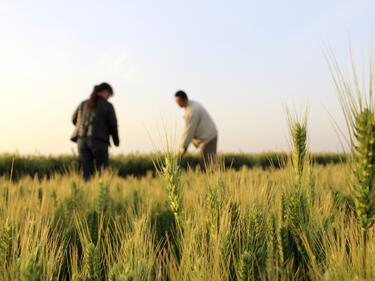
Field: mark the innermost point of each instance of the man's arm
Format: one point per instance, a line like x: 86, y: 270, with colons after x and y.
x: 113, y: 127
x: 191, y: 123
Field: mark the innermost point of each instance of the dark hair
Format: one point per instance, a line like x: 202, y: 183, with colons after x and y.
x: 181, y: 94
x: 97, y: 89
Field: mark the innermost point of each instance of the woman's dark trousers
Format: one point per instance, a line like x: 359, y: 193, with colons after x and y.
x: 93, y: 156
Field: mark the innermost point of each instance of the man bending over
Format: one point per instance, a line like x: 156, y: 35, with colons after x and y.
x: 199, y: 129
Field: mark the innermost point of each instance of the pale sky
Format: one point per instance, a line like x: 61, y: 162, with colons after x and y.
x: 241, y: 59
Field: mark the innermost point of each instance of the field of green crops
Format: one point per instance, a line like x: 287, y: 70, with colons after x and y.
x: 17, y: 166
x: 224, y: 225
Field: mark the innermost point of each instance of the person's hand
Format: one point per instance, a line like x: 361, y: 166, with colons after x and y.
x: 182, y: 152
x: 117, y: 143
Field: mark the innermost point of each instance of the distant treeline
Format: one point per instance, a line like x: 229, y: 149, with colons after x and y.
x: 143, y: 164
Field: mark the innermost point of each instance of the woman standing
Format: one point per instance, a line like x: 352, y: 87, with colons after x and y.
x: 95, y: 121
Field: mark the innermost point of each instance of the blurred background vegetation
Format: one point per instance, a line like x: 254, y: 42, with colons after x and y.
x: 143, y: 164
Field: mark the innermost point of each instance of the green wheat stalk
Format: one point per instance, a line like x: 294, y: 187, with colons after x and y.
x: 245, y: 267
x: 295, y: 208
x: 298, y: 134
x: 5, y: 242
x: 358, y: 106
x: 364, y: 167
x: 171, y: 172
x: 92, y: 263
x: 255, y: 244
x: 271, y: 240
x: 102, y: 201
x: 364, y: 173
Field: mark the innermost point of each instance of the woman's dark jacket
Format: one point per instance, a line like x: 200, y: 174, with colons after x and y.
x: 99, y: 122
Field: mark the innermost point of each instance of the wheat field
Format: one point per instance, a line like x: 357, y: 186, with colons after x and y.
x: 224, y: 225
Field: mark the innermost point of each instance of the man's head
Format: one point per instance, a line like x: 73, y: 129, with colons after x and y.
x: 181, y: 99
